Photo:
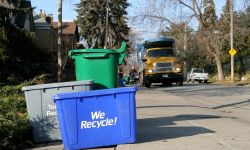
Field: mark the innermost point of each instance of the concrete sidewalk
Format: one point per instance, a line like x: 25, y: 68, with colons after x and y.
x: 60, y: 147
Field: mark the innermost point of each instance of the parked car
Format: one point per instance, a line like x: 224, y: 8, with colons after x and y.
x: 197, y: 74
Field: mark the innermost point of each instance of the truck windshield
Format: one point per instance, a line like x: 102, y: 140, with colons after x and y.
x: 161, y: 53
x: 198, y: 71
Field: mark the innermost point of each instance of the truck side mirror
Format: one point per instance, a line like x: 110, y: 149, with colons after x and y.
x: 141, y: 55
x: 177, y: 52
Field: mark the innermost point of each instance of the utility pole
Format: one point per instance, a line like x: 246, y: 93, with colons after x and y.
x: 106, y: 26
x: 59, y: 52
x: 185, y: 50
x: 231, y: 39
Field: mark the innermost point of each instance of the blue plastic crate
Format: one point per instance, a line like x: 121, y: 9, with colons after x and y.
x: 97, y: 118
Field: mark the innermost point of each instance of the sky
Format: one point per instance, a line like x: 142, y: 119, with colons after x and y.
x: 50, y: 7
x: 69, y: 14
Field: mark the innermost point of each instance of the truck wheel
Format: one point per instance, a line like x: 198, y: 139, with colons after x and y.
x: 205, y: 81
x: 199, y: 81
x: 147, y: 84
x: 179, y: 83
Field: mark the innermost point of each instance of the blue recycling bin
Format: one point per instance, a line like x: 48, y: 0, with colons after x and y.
x: 97, y: 118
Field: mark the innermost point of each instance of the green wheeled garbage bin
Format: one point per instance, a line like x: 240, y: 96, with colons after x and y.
x: 100, y: 65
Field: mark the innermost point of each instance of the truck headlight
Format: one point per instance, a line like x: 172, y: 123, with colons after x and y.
x: 150, y: 71
x: 178, y: 69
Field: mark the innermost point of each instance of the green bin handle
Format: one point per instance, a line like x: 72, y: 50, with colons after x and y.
x: 95, y: 55
x: 87, y: 54
x: 73, y: 52
x: 121, y: 51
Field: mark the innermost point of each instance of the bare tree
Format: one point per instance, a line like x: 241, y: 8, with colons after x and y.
x: 209, y: 35
x: 203, y: 10
x: 135, y: 40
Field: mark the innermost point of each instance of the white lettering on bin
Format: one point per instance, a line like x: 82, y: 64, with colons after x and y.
x: 98, y: 121
x: 51, y: 111
x: 97, y: 115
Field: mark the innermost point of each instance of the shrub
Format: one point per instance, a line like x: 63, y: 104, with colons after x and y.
x: 15, y: 130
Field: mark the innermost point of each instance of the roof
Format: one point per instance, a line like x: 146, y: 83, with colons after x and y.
x: 67, y: 27
x: 20, y: 19
x: 159, y: 42
x: 4, y: 3
x: 40, y: 23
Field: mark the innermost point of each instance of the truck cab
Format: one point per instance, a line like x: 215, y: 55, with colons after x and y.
x: 161, y: 63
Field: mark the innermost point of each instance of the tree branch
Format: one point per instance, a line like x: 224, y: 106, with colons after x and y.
x: 181, y: 2
x: 195, y: 8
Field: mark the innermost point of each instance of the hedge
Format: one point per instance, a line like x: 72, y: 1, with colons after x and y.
x: 15, y: 130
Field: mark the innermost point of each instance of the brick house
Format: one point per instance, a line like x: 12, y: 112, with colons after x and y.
x: 70, y: 35
x: 70, y: 39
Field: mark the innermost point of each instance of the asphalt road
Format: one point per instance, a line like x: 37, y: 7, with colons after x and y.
x: 233, y: 101
x: 193, y: 117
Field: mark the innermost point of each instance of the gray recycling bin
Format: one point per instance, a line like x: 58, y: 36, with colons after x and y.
x: 42, y: 110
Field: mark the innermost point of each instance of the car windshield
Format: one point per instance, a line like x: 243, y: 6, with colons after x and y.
x: 198, y: 71
x: 161, y: 53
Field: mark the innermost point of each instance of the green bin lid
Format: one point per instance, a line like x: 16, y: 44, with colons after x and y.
x: 97, y: 53
x: 79, y: 51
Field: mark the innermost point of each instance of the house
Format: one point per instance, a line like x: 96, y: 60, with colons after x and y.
x: 47, y: 33
x: 32, y: 22
x: 70, y: 35
x: 46, y: 36
x: 46, y: 39
x: 70, y: 39
x: 22, y: 20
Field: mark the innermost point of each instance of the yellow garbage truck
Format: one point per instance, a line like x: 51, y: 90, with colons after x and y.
x: 160, y: 62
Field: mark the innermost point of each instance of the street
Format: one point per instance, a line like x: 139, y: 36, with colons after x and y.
x: 192, y: 117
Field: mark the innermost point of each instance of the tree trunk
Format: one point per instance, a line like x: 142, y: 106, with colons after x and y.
x: 219, y: 67
x: 216, y: 55
x: 59, y: 52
